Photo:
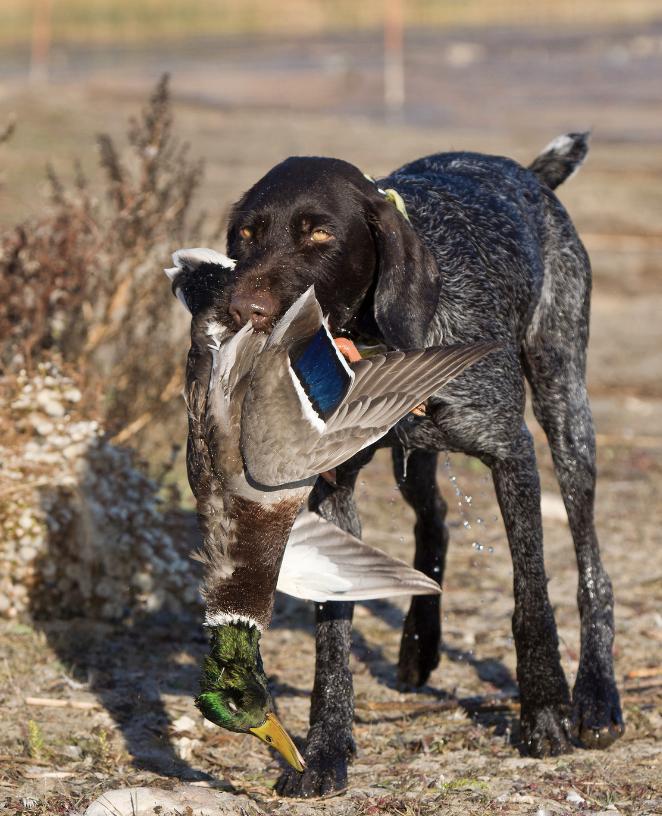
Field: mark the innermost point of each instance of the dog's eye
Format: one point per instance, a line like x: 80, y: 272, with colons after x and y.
x: 246, y: 233
x: 320, y: 236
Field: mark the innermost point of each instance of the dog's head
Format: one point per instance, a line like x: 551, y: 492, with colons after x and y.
x: 321, y: 222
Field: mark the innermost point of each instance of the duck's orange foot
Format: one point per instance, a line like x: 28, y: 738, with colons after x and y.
x: 347, y: 349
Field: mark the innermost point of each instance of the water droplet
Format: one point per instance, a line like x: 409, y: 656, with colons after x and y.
x: 479, y: 520
x: 468, y: 499
x: 477, y: 546
x: 466, y: 525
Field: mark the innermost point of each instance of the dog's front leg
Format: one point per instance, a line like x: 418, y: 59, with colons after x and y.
x: 544, y: 693
x: 330, y: 744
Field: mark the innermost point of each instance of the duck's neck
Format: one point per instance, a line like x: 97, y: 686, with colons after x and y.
x: 243, y: 590
x: 235, y: 643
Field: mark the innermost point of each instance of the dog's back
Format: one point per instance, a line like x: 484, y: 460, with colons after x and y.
x: 495, y: 229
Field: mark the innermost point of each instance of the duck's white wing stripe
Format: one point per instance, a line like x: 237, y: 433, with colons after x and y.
x: 323, y: 563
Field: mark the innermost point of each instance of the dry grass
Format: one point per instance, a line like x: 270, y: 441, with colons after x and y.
x: 82, y: 284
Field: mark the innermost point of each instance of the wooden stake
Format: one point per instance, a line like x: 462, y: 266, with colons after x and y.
x: 42, y: 20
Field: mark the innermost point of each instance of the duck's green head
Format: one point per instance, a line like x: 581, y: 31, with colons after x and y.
x: 234, y: 693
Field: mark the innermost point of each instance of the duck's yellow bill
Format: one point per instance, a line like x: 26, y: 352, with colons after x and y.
x: 273, y: 733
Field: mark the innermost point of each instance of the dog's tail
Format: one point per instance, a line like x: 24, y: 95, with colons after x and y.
x: 561, y: 158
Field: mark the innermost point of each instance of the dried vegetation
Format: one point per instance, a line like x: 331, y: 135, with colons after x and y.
x: 81, y: 284
x: 91, y: 354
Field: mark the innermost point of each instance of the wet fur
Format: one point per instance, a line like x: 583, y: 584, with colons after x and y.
x: 490, y: 254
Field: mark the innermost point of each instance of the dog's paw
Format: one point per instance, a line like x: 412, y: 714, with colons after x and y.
x: 597, y: 712
x: 547, y: 731
x: 419, y: 649
x: 326, y: 757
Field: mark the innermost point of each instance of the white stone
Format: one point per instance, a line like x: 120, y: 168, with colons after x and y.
x: 72, y: 395
x: 182, y: 724
x: 42, y: 426
x: 184, y: 747
x: 143, y: 801
x: 49, y: 404
x: 575, y: 798
x: 552, y: 508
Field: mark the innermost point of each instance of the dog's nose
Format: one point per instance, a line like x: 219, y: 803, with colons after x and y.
x: 258, y: 307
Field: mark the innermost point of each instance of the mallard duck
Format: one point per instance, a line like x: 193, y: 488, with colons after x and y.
x: 267, y: 414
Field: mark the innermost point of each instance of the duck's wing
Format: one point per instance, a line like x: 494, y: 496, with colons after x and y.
x: 324, y: 563
x: 304, y: 440
x: 385, y: 389
x: 296, y: 384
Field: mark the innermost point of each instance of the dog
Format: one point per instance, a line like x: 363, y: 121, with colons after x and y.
x: 478, y: 248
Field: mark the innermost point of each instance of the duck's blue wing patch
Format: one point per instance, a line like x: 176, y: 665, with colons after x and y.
x: 321, y: 371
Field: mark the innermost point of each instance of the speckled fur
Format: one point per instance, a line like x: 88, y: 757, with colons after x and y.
x: 491, y: 253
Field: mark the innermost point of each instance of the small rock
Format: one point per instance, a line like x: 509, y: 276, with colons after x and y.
x: 552, y: 508
x: 42, y: 426
x: 184, y: 723
x: 72, y: 751
x: 50, y: 405
x: 27, y: 553
x: 575, y: 798
x: 143, y: 801
x: 72, y: 395
x: 184, y: 747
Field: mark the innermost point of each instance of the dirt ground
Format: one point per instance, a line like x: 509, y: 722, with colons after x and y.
x: 123, y: 689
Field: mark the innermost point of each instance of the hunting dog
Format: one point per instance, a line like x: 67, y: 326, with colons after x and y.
x: 483, y: 250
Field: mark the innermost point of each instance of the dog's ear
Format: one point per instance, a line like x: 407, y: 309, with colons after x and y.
x: 408, y: 280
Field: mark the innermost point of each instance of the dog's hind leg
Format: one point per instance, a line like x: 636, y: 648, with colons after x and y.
x: 416, y: 476
x: 555, y: 360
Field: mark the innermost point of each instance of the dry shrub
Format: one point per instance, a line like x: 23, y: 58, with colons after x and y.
x: 92, y: 346
x: 83, y: 284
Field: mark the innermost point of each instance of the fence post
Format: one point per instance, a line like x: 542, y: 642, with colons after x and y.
x: 394, y: 68
x: 41, y: 40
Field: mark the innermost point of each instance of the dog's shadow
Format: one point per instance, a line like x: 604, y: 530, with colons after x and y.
x: 132, y: 665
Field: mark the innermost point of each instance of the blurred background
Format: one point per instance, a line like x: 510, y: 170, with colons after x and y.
x: 107, y: 166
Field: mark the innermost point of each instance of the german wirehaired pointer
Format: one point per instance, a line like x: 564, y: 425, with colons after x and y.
x: 488, y: 253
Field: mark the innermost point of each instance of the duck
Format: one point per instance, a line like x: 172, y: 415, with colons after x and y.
x: 268, y: 413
